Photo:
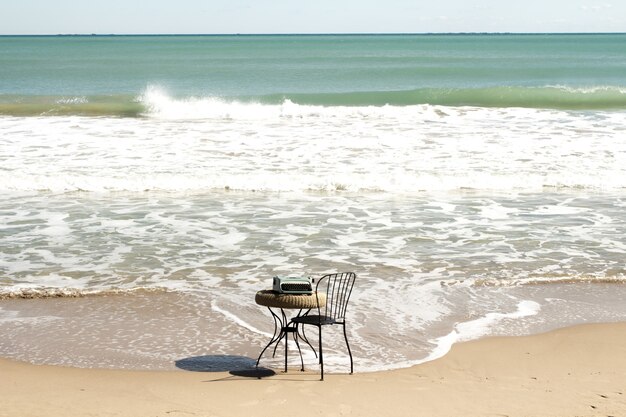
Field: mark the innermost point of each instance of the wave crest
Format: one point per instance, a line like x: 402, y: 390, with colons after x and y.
x: 49, y: 292
x: 154, y: 101
x: 548, y: 97
x: 534, y: 281
x: 159, y: 104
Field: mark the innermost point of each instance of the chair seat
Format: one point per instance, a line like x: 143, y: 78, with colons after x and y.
x: 314, y: 319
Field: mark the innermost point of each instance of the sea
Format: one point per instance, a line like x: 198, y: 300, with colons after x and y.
x: 151, y: 185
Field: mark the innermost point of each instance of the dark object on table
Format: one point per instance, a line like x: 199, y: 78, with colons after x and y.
x: 292, y: 285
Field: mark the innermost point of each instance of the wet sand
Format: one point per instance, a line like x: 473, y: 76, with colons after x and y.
x: 577, y: 371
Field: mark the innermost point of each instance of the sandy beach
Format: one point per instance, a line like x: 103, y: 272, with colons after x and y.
x: 577, y: 371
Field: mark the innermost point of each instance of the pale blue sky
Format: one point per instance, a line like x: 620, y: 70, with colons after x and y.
x: 320, y: 16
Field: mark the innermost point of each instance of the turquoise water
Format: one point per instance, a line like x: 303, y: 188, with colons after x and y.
x: 107, y: 74
x: 149, y: 186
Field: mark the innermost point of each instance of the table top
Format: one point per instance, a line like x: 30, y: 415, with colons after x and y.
x: 269, y: 298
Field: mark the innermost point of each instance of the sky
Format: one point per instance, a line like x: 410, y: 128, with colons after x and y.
x: 22, y: 17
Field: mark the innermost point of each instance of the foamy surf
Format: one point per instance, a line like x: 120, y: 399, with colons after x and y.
x: 476, y: 328
x: 208, y: 144
x: 428, y: 102
x: 38, y: 292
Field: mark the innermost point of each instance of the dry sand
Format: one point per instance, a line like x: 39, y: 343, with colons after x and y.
x: 578, y: 371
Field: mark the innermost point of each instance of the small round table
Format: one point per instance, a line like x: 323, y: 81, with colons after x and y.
x: 282, y: 327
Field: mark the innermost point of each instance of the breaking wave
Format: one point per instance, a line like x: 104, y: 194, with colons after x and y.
x: 48, y: 292
x: 154, y: 102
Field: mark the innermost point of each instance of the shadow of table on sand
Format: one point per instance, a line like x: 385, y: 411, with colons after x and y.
x: 240, y: 366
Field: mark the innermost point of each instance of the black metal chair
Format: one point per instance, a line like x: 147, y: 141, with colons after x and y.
x: 338, y: 290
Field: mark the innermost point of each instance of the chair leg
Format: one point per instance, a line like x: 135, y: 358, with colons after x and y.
x: 286, y: 350
x: 295, y: 338
x: 345, y: 335
x: 321, y: 355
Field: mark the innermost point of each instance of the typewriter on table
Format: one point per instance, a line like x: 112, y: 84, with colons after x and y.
x: 293, y: 285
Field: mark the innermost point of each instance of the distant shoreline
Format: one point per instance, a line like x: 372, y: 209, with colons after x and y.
x: 310, y: 34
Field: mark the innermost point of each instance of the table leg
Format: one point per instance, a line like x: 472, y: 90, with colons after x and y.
x: 282, y: 330
x: 275, y: 338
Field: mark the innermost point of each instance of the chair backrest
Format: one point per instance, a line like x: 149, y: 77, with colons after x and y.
x: 338, y: 289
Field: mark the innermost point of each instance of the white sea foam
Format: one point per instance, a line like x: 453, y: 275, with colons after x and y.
x: 479, y: 327
x: 207, y: 144
x: 238, y: 320
x: 73, y: 100
x: 589, y: 90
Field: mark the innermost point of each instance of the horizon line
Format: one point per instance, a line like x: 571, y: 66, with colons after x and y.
x: 306, y: 34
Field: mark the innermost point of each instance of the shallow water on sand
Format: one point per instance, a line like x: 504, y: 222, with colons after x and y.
x: 168, y: 276
x: 476, y: 184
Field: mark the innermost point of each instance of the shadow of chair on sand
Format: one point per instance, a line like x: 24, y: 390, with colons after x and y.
x: 239, y: 366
